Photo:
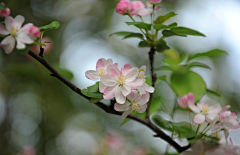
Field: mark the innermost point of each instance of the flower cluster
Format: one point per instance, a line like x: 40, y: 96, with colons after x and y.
x: 138, y: 8
x: 127, y: 86
x: 14, y: 32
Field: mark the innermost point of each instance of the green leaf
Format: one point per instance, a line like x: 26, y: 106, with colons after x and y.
x: 213, y: 93
x: 134, y: 35
x: 194, y: 139
x: 94, y: 88
x: 158, y: 27
x: 144, y: 44
x: 38, y: 43
x: 209, y: 54
x: 2, y: 7
x: 92, y: 94
x: 183, y: 83
x: 173, y: 25
x: 198, y: 64
x: 162, y: 46
x: 121, y: 33
x: 162, y: 19
x: 64, y: 72
x: 183, y: 129
x: 165, y: 68
x: 24, y: 51
x: 52, y: 25
x: 93, y: 91
x: 215, y: 139
x: 169, y: 33
x: 95, y: 100
x: 186, y: 31
x: 161, y: 122
x: 140, y: 25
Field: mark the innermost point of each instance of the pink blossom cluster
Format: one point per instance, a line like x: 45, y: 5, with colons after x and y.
x: 220, y: 118
x: 128, y: 85
x: 137, y: 8
x: 14, y: 32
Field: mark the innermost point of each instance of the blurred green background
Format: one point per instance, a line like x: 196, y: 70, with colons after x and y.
x: 40, y: 115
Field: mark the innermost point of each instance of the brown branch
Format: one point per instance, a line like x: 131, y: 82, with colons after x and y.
x: 154, y: 78
x: 109, y: 109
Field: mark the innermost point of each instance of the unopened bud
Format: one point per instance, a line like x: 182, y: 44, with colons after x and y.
x: 34, y: 32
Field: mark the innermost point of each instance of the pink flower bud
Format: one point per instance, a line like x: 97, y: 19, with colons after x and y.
x: 34, y: 32
x: 136, y: 5
x: 123, y: 7
x: 183, y: 101
x: 3, y: 3
x: 155, y: 1
x: 5, y: 12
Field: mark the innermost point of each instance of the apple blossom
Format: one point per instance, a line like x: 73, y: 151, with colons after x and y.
x: 155, y: 1
x: 142, y: 11
x: 183, y: 101
x: 5, y: 12
x: 120, y: 83
x: 135, y: 102
x: 21, y: 35
x: 145, y: 87
x: 124, y: 7
x: 204, y: 112
x: 34, y: 32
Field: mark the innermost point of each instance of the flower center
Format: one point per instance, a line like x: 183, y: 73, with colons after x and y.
x: 101, y: 72
x: 136, y: 106
x: 13, y: 31
x: 121, y: 80
x: 205, y: 109
x: 141, y: 76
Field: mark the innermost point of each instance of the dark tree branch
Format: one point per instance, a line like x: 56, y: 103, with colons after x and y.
x: 110, y: 109
x: 154, y: 78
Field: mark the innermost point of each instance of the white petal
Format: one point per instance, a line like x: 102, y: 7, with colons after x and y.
x: 119, y: 96
x: 131, y: 74
x: 142, y: 108
x: 200, y: 105
x: 26, y: 28
x: 24, y: 38
x: 133, y: 95
x: 199, y: 118
x: 148, y: 88
x: 126, y: 89
x: 141, y: 90
x: 92, y: 75
x: 109, y: 61
x: 18, y: 21
x: 20, y: 45
x: 136, y: 83
x: 144, y: 99
x: 126, y: 113
x: 3, y: 30
x: 122, y: 107
x: 215, y: 109
x: 101, y: 64
x: 125, y: 68
x: 8, y: 44
x: 193, y: 107
x: 109, y: 92
x: 109, y: 80
x: 9, y: 22
x: 210, y: 118
x: 102, y: 87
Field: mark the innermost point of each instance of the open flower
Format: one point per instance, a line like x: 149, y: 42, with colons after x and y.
x: 142, y: 10
x: 145, y: 87
x: 204, y: 112
x: 21, y: 35
x: 185, y: 100
x: 135, y: 102
x: 119, y: 84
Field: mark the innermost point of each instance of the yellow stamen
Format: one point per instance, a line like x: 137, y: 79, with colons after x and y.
x: 141, y: 76
x: 13, y: 31
x: 136, y: 106
x: 101, y: 72
x: 205, y: 109
x: 121, y: 80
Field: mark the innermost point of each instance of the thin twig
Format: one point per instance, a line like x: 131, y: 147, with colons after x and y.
x: 109, y: 109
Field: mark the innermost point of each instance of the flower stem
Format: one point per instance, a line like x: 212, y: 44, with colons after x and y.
x: 199, y: 126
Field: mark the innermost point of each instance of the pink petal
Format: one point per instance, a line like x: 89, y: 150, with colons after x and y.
x: 126, y: 89
x: 225, y: 116
x: 8, y: 44
x: 142, y: 108
x: 108, y: 80
x: 194, y: 108
x: 116, y: 64
x: 101, y: 63
x: 25, y: 29
x: 141, y: 90
x: 143, y: 99
x: 215, y: 109
x: 225, y: 108
x: 131, y: 74
x: 234, y: 125
x: 136, y: 83
x: 122, y: 107
x: 9, y: 22
x: 3, y: 30
x: 109, y: 92
x: 190, y: 96
x: 126, y: 113
x: 110, y: 62
x: 125, y: 68
x: 199, y: 118
x: 102, y: 87
x: 119, y: 96
x: 92, y: 75
x: 148, y: 88
x: 113, y: 70
x: 133, y: 95
x: 233, y: 116
x: 18, y: 21
x: 155, y: 1
x: 210, y: 118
